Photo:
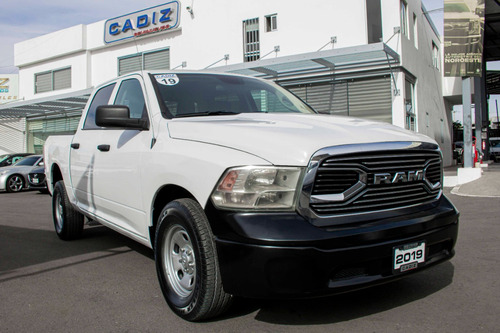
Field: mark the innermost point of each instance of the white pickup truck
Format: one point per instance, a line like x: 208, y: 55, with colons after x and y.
x: 241, y: 189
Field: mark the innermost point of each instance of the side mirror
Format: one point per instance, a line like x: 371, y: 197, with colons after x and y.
x: 118, y: 116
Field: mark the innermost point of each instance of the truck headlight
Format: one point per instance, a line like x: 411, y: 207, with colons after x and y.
x: 255, y: 187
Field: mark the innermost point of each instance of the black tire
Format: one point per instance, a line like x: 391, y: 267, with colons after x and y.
x: 15, y: 183
x: 67, y: 221
x: 187, y: 264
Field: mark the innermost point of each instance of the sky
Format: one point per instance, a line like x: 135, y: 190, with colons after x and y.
x: 24, y: 19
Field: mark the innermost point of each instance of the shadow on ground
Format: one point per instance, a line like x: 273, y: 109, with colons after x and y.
x: 347, y: 306
x: 23, y: 247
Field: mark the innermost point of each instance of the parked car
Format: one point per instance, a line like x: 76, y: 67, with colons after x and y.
x: 36, y: 179
x: 15, y: 178
x: 10, y: 159
x: 495, y: 149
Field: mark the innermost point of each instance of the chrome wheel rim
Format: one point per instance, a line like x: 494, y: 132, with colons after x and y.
x: 59, y: 213
x: 15, y: 184
x: 179, y: 261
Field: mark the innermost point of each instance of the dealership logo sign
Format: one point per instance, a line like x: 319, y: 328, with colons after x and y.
x: 145, y: 22
x: 4, y: 88
x: 8, y: 88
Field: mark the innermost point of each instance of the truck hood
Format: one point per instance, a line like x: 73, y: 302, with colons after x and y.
x: 286, y: 139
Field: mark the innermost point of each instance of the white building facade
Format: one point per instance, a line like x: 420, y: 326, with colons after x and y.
x: 375, y: 59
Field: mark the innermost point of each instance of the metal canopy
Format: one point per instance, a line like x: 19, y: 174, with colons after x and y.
x: 337, y: 60
x: 67, y: 104
x: 493, y: 82
x: 378, y: 54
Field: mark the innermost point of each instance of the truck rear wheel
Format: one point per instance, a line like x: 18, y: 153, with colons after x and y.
x: 186, y: 262
x: 68, y: 222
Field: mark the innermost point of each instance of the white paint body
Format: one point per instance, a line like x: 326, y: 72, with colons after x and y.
x: 118, y: 187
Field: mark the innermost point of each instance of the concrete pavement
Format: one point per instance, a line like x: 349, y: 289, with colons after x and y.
x: 488, y: 185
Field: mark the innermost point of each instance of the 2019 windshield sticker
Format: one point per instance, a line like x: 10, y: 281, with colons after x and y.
x: 167, y: 79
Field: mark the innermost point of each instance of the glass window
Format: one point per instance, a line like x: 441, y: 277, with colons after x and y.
x: 436, y: 62
x: 251, y: 40
x: 27, y: 161
x: 159, y: 59
x: 53, y: 80
x: 205, y: 94
x: 404, y: 18
x: 130, y: 94
x: 271, y: 22
x: 100, y: 98
x: 374, y: 20
x: 17, y: 158
x: 415, y: 31
x: 411, y: 116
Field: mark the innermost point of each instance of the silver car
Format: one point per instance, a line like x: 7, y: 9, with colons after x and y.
x: 15, y: 177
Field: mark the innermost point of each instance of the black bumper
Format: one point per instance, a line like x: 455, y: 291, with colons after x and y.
x: 270, y: 255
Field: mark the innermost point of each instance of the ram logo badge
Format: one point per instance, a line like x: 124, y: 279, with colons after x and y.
x: 398, y: 177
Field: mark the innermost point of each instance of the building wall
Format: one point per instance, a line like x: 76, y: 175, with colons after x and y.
x: 215, y: 28
x: 12, y: 135
x: 415, y: 49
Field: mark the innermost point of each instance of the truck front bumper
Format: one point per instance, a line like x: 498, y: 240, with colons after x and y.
x: 268, y: 255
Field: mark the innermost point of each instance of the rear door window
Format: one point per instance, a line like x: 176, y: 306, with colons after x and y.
x: 100, y: 98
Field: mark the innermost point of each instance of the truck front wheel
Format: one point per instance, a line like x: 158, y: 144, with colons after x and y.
x: 68, y: 222
x: 186, y: 262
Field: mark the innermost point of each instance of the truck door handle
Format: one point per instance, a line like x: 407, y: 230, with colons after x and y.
x: 75, y: 145
x: 103, y: 147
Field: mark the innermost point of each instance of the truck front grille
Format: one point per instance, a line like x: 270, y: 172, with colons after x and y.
x: 376, y: 180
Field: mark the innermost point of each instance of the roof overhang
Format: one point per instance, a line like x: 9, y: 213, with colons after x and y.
x: 347, y: 59
x: 328, y: 61
x: 493, y: 82
x: 68, y: 104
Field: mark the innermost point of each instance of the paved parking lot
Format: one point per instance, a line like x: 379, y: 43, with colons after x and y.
x: 107, y: 283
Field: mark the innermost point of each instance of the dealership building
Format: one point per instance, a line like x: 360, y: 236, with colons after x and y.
x: 373, y: 59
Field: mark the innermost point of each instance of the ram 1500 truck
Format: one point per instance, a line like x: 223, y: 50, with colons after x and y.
x: 241, y: 189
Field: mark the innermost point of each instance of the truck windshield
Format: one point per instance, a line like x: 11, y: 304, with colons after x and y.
x: 189, y: 95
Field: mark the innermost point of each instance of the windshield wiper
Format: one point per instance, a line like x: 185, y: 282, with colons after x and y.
x: 206, y: 113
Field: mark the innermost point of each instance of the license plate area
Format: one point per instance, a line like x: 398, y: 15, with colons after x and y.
x: 408, y: 257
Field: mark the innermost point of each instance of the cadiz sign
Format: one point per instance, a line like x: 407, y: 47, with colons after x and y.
x: 145, y: 22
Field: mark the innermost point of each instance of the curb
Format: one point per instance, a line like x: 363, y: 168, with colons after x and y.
x: 456, y: 189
